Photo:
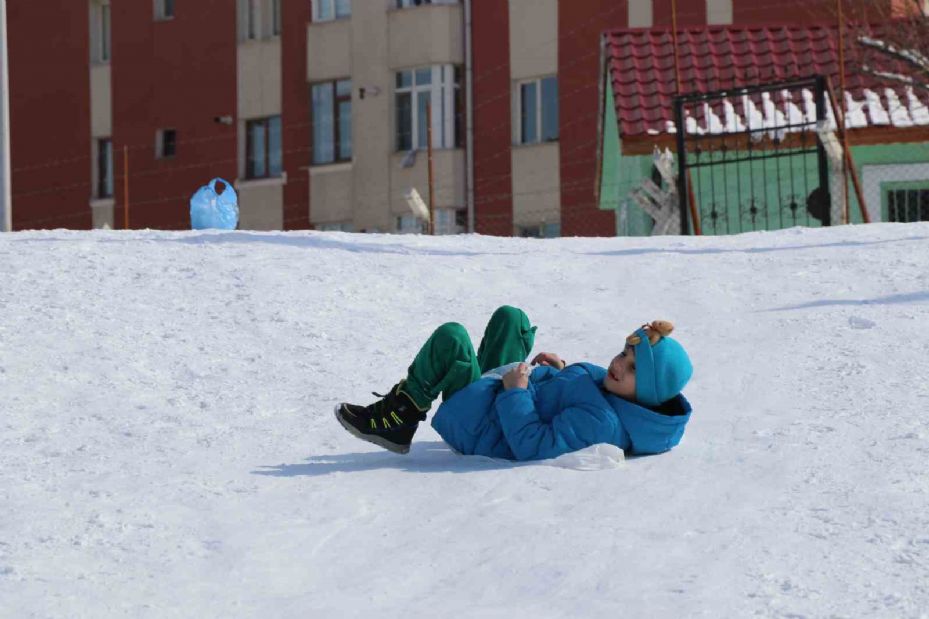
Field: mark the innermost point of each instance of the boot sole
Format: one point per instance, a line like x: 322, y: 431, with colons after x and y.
x: 371, y: 438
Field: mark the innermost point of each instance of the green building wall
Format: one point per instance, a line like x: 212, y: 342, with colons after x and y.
x: 784, y: 181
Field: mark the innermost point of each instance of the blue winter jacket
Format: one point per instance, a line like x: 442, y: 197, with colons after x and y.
x: 559, y: 412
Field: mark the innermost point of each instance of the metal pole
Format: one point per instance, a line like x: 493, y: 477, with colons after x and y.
x: 6, y: 197
x: 841, y: 18
x: 677, y: 60
x: 431, y: 181
x: 683, y: 185
x: 125, y: 187
x: 823, y: 164
x: 469, y: 115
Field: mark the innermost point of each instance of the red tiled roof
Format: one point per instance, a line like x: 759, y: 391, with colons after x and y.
x: 640, y: 67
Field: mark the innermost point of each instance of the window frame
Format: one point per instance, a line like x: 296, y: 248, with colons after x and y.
x: 415, y: 4
x: 277, y: 18
x: 889, y: 192
x: 269, y: 159
x: 161, y: 10
x: 337, y: 154
x: 101, y: 42
x: 161, y: 142
x: 446, y: 94
x: 539, y: 112
x: 333, y: 14
x: 252, y: 20
x: 104, y: 168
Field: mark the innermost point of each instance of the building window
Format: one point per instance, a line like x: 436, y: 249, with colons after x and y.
x: 259, y: 19
x: 100, y: 32
x: 332, y: 121
x: 450, y: 220
x: 339, y: 226
x: 327, y: 10
x: 104, y: 168
x: 410, y: 224
x: 416, y: 89
x: 404, y: 4
x: 538, y: 110
x: 166, y: 143
x: 164, y: 9
x: 539, y: 231
x: 253, y: 19
x: 263, y: 148
x: 276, y: 18
x: 907, y: 205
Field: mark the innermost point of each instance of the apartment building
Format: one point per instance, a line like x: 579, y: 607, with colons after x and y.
x: 319, y: 111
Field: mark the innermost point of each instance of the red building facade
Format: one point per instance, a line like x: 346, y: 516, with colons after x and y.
x: 172, y: 77
x: 49, y: 113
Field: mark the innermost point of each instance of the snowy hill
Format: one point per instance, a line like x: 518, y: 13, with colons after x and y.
x: 167, y: 446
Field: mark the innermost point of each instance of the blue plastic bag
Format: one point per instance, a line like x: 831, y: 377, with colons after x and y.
x: 211, y: 209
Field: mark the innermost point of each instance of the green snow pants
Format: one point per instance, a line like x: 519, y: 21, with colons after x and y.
x: 447, y: 362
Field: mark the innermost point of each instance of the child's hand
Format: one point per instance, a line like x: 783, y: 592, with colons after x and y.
x: 518, y: 377
x: 549, y: 358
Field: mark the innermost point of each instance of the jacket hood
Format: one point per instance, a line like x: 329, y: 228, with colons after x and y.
x: 651, y: 430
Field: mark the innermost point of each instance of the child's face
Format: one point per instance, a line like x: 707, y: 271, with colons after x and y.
x: 620, y: 375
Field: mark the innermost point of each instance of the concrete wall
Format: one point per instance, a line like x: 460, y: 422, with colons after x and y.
x: 448, y: 169
x: 425, y: 35
x: 369, y: 49
x: 259, y: 96
x: 372, y: 119
x: 719, y: 11
x: 259, y: 78
x: 533, y: 38
x: 101, y: 108
x: 640, y: 13
x: 533, y: 54
x: 331, y: 193
x: 328, y: 48
x: 260, y: 205
x: 536, y: 184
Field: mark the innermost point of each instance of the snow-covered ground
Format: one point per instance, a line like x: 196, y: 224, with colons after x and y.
x: 167, y: 445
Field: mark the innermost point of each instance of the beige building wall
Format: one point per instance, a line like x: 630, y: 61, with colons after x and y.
x: 261, y: 201
x: 261, y: 204
x: 101, y: 116
x: 259, y: 75
x: 533, y: 38
x: 641, y: 13
x: 536, y: 184
x: 719, y: 12
x: 426, y: 35
x: 535, y: 167
x: 369, y: 48
x: 331, y: 194
x: 372, y: 118
x: 328, y: 48
x: 101, y: 108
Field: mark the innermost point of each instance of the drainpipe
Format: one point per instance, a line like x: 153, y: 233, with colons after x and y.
x: 469, y: 117
x: 6, y: 203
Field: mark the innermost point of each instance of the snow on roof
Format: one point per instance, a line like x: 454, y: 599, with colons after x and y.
x: 640, y: 65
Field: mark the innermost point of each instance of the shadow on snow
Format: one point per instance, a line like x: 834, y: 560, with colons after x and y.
x: 424, y: 457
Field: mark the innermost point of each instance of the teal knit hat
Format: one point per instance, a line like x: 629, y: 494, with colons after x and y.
x: 662, y: 366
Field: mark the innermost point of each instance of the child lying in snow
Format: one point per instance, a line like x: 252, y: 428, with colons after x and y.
x: 635, y: 404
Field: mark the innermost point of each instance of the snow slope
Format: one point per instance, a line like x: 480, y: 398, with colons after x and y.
x: 167, y: 446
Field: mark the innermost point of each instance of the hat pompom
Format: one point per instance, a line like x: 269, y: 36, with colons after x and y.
x: 655, y: 330
x: 662, y: 364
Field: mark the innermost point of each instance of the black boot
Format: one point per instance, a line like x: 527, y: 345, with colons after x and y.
x: 390, y: 422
